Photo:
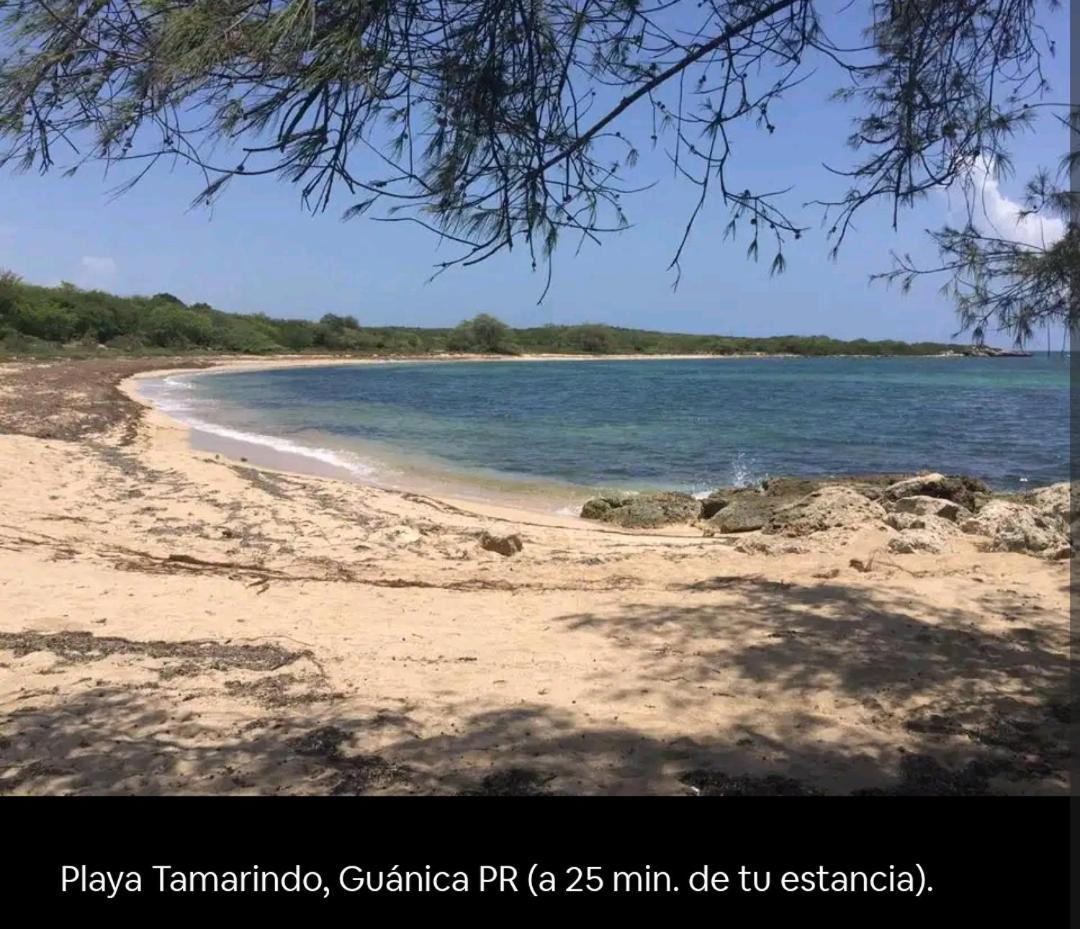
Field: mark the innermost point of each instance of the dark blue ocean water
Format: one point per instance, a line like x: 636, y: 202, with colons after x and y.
x: 657, y: 423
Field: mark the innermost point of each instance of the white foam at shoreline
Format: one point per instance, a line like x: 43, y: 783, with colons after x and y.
x: 325, y: 455
x: 181, y: 411
x: 175, y: 381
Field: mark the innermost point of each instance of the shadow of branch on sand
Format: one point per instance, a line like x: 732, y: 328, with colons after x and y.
x: 991, y: 701
x: 783, y: 689
x: 529, y: 750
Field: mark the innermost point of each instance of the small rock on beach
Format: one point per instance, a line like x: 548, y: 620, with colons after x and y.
x: 506, y: 545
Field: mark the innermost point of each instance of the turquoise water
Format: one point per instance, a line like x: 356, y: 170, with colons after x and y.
x: 689, y: 424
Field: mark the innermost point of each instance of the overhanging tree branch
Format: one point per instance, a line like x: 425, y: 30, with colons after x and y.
x: 501, y: 122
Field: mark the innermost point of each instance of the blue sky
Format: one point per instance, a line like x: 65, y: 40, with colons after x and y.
x: 259, y: 251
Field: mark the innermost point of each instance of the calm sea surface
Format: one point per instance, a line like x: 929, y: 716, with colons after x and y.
x: 562, y: 427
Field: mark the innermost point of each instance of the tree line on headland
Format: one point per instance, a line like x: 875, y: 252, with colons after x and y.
x: 68, y: 320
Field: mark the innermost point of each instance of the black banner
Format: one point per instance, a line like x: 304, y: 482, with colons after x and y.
x: 854, y: 859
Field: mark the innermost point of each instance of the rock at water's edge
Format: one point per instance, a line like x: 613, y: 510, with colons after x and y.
x: 969, y: 492
x: 644, y: 511
x: 744, y: 513
x: 718, y: 499
x: 831, y: 507
x: 599, y: 507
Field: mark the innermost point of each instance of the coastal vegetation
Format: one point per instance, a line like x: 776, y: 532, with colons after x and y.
x: 484, y: 334
x: 67, y: 320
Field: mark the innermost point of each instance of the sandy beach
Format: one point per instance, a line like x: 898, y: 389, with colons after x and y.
x: 178, y: 621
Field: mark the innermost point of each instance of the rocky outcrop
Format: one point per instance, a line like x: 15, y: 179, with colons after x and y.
x: 718, y: 499
x: 794, y: 488
x: 743, y: 513
x: 969, y: 492
x: 1055, y: 502
x: 920, y: 505
x: 926, y: 510
x: 904, y: 521
x: 1018, y: 527
x: 744, y: 509
x: 921, y: 533
x: 643, y: 511
x: 831, y: 507
x: 916, y: 541
x: 600, y: 507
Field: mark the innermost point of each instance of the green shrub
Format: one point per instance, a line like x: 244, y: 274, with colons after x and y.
x: 296, y: 334
x: 175, y: 327
x: 595, y: 339
x: 168, y: 298
x: 48, y: 321
x: 483, y: 334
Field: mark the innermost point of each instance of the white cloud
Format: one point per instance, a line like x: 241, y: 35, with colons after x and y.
x: 996, y: 213
x: 98, y: 266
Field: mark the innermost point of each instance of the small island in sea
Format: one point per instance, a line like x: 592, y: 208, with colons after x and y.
x: 208, y: 606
